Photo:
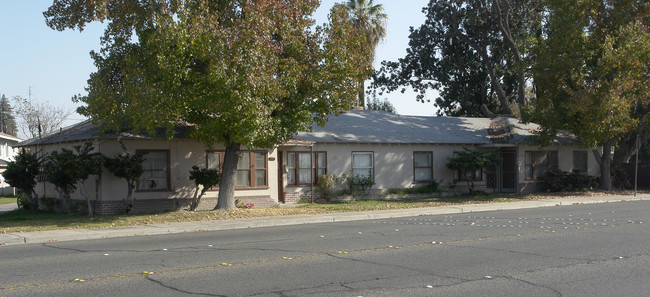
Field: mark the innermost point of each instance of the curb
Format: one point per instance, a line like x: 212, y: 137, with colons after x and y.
x: 41, y: 237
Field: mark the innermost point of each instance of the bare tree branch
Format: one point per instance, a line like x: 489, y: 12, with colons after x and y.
x: 39, y: 118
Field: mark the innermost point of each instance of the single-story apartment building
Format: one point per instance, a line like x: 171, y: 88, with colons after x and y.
x: 397, y: 151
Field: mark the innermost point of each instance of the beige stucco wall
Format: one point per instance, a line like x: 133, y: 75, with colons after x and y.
x: 393, y: 164
x: 183, y: 154
x: 393, y: 167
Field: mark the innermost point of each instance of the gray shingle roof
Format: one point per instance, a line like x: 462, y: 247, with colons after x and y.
x: 369, y: 126
x: 86, y: 130
x: 356, y: 126
x: 520, y: 133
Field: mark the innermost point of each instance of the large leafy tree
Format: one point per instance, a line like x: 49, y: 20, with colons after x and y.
x: 241, y: 72
x: 475, y: 53
x: 370, y: 20
x: 592, y: 74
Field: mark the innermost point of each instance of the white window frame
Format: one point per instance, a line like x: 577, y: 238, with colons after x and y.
x: 370, y: 169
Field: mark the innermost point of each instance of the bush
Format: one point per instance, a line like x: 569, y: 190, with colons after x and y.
x: 205, y: 177
x: 562, y: 181
x: 49, y: 203
x: 21, y: 174
x: 358, y: 183
x: 327, y: 183
x: 22, y: 201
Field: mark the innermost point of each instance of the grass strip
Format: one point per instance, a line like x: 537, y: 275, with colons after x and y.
x: 27, y: 221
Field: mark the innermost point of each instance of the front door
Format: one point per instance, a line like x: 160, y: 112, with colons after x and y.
x: 509, y: 172
x: 280, y: 176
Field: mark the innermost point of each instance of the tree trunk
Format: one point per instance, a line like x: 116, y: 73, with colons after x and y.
x: 197, y: 198
x: 626, y: 148
x: 194, y: 203
x: 129, y: 198
x: 226, y: 198
x: 32, y: 199
x: 83, y: 193
x: 605, y: 167
x: 66, y: 201
x: 362, y: 95
x: 503, y: 22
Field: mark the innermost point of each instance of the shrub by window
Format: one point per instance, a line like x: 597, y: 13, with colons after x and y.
x: 560, y: 181
x: 467, y: 174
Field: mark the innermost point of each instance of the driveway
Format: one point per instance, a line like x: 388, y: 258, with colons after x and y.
x: 8, y: 207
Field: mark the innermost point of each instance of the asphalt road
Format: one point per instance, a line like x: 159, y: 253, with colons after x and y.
x: 579, y: 250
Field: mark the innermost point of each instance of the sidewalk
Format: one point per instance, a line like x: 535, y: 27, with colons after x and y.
x: 170, y: 228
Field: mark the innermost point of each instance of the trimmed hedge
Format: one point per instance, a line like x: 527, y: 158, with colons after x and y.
x: 574, y: 181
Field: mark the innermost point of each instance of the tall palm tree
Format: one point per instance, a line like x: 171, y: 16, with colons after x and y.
x: 369, y: 18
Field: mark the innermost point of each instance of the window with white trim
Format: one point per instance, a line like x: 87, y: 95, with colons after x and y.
x: 362, y: 164
x: 422, y: 166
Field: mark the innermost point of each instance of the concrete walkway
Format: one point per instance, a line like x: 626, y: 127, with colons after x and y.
x: 170, y: 228
x: 8, y: 207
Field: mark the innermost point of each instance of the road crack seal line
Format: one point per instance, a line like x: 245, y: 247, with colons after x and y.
x: 160, y: 283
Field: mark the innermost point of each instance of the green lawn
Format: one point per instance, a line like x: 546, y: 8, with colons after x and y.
x: 26, y: 221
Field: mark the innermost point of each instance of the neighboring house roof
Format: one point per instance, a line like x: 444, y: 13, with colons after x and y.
x: 86, y: 130
x: 355, y: 126
x: 370, y: 126
x: 9, y: 137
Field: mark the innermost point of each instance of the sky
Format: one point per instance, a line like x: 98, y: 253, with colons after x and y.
x: 55, y: 65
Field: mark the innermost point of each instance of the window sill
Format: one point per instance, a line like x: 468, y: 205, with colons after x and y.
x: 422, y: 181
x: 241, y: 188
